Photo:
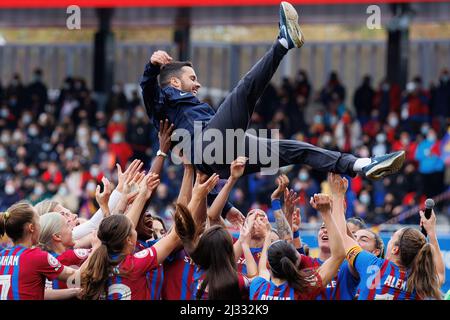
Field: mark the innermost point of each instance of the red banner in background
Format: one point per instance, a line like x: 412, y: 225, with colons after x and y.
x: 178, y: 3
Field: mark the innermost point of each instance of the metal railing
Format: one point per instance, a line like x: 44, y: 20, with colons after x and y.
x: 221, y: 65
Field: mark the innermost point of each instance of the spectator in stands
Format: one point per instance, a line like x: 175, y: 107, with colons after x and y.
x: 37, y: 92
x: 431, y: 166
x: 332, y: 86
x: 363, y: 99
x: 440, y: 106
x: 348, y: 133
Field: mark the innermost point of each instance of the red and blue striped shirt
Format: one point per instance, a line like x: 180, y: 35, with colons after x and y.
x: 381, y: 279
x: 23, y: 271
x: 262, y: 289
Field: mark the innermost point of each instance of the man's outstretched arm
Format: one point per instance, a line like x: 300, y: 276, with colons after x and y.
x: 151, y: 92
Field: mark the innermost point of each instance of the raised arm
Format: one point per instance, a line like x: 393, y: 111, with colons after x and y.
x: 146, y: 187
x: 197, y: 206
x: 151, y: 92
x: 329, y: 269
x: 103, y: 197
x: 430, y: 227
x: 339, y: 186
x: 283, y: 228
x: 165, y: 131
x: 185, y: 195
x: 244, y: 241
x: 237, y: 168
x: 296, y: 223
x: 166, y: 245
x: 262, y: 265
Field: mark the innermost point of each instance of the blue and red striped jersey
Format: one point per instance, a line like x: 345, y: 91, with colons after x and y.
x: 154, y: 277
x: 341, y: 287
x: 70, y: 258
x: 381, y: 279
x: 23, y: 271
x: 179, y: 275
x: 128, y: 279
x: 262, y: 289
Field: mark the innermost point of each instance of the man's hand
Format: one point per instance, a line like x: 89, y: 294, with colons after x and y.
x: 321, y: 202
x: 237, y: 167
x: 165, y: 132
x: 338, y: 185
x: 160, y: 58
x: 283, y: 182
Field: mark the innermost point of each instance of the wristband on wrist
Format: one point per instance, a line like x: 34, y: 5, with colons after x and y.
x: 276, y: 204
x: 160, y: 153
x: 296, y: 234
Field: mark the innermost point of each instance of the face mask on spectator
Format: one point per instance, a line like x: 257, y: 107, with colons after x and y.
x: 317, y: 119
x: 94, y: 171
x: 431, y: 137
x: 140, y: 114
x: 381, y: 138
x: 26, y: 119
x: 364, y: 198
x: 9, y: 189
x: 424, y: 129
x: 117, y: 117
x: 90, y: 187
x: 69, y: 154
x: 2, y: 153
x: 38, y: 191
x: 5, y: 138
x: 297, y: 187
x: 405, y: 141
x: 33, y: 132
x: 17, y: 136
x: 2, y: 166
x: 4, y: 113
x: 393, y: 121
x: 33, y: 172
x: 95, y: 139
x: 117, y: 138
x: 303, y: 176
x: 63, y: 191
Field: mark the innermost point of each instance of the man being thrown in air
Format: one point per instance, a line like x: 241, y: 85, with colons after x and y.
x: 174, y: 98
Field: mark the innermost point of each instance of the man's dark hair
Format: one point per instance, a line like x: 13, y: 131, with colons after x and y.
x: 172, y: 69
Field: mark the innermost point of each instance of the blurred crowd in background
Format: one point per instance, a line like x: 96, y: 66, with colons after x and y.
x: 61, y: 148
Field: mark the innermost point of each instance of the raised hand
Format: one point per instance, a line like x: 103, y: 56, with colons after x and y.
x: 283, y: 182
x: 165, y: 132
x: 338, y: 185
x: 237, y: 167
x: 245, y: 233
x: 160, y: 58
x: 290, y: 199
x: 203, y: 185
x: 236, y: 218
x: 428, y: 224
x: 296, y: 220
x: 321, y: 202
x: 103, y: 197
x: 148, y: 184
x: 131, y: 171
